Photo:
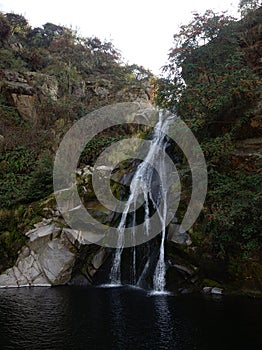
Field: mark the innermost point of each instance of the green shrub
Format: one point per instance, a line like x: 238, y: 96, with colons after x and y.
x: 233, y: 212
x: 24, y: 176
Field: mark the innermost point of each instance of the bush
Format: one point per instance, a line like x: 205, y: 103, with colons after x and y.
x: 16, y: 168
x: 208, y: 79
x: 4, y: 28
x: 25, y: 177
x: 233, y: 212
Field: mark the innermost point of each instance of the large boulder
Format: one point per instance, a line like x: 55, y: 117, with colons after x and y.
x: 47, y: 259
x: 23, y: 90
x: 25, y: 105
x: 54, y: 256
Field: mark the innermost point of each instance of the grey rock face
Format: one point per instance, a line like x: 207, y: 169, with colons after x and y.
x: 46, y: 260
x: 49, y: 257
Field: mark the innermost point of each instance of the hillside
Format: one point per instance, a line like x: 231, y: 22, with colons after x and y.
x: 49, y: 78
x: 213, y: 80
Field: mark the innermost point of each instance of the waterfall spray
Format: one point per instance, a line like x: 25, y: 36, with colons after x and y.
x: 141, y: 185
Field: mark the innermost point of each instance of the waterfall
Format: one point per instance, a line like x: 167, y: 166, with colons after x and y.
x: 159, y: 280
x: 141, y: 186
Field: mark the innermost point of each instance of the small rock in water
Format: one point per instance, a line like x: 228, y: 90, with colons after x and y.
x: 185, y: 291
x: 217, y: 291
x: 207, y: 290
x: 212, y: 290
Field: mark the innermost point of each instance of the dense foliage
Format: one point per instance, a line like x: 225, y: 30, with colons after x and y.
x: 207, y: 62
x: 213, y: 86
x: 212, y: 80
x: 81, y: 74
x: 24, y: 176
x: 50, y: 77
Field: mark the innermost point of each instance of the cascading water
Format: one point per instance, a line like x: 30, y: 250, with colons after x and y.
x: 141, y: 184
x: 159, y: 281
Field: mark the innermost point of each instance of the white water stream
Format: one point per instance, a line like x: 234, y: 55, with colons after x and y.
x: 141, y: 185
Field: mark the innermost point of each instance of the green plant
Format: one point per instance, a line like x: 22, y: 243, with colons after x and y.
x: 40, y: 183
x: 10, y: 60
x: 233, y: 212
x: 10, y: 111
x: 247, y: 6
x: 4, y: 28
x: 16, y: 168
x: 208, y: 81
x: 96, y: 146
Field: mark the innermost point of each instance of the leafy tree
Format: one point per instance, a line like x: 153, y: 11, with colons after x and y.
x: 246, y: 6
x: 17, y: 23
x: 233, y: 213
x: 209, y: 82
x: 207, y: 79
x: 5, y: 29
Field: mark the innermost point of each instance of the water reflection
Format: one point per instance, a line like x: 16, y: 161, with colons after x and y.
x: 125, y: 319
x: 117, y: 318
x: 28, y: 315
x: 164, y: 323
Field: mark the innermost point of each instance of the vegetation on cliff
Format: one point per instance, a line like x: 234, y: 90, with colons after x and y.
x: 213, y: 81
x: 49, y: 77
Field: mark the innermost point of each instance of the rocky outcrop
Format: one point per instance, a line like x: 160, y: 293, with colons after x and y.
x: 25, y: 105
x: 23, y: 90
x: 251, y: 39
x: 44, y: 85
x: 248, y: 154
x: 49, y: 257
x: 212, y: 290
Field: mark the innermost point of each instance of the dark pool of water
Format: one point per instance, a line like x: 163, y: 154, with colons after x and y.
x: 125, y: 318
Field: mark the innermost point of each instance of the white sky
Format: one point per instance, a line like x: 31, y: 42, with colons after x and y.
x: 141, y: 29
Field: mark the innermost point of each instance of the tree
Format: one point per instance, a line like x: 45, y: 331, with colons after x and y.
x: 17, y: 22
x: 246, y: 6
x: 208, y: 80
x: 5, y: 28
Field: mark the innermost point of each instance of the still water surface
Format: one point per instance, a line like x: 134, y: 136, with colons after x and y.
x: 125, y: 318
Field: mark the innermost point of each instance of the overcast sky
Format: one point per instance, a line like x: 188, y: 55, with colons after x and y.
x: 141, y: 29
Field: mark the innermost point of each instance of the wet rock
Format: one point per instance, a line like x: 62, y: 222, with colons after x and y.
x: 99, y: 258
x: 174, y: 235
x: 56, y: 262
x: 97, y: 261
x: 79, y: 280
x: 184, y: 269
x: 207, y: 290
x: 185, y: 291
x: 212, y: 290
x: 75, y: 236
x: 194, y: 279
x: 217, y: 291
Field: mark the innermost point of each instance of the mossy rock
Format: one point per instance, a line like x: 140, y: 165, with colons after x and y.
x: 211, y: 283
